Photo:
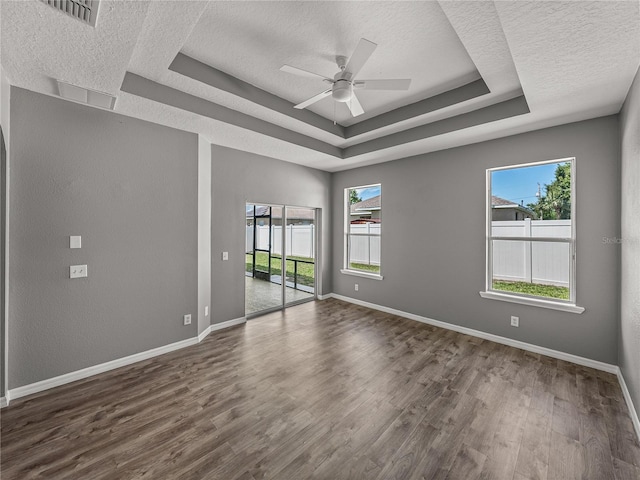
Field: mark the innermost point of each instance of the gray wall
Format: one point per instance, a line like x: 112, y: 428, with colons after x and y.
x: 629, y: 346
x: 433, y: 237
x: 127, y: 186
x: 238, y: 177
x: 5, y: 97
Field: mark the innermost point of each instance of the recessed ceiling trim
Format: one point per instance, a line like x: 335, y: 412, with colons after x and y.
x: 143, y: 87
x: 461, y: 94
x: 201, y: 72
x: 499, y: 111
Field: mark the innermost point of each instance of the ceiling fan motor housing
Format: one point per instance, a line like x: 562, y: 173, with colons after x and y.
x: 342, y: 90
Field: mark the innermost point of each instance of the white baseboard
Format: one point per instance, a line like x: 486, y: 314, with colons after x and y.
x: 586, y: 362
x: 227, y: 324
x: 324, y: 297
x: 627, y: 397
x: 204, y: 334
x: 113, y: 364
x: 96, y: 369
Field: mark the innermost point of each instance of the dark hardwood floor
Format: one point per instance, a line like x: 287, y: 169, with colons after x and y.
x: 329, y: 390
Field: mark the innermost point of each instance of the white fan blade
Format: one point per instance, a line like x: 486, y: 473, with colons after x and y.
x: 302, y: 73
x: 359, y: 57
x: 354, y: 106
x: 400, y: 84
x: 314, y: 99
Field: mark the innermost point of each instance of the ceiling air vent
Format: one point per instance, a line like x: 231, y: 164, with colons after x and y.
x: 84, y: 10
x: 84, y: 95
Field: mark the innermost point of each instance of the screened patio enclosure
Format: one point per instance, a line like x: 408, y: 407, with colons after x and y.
x: 279, y: 239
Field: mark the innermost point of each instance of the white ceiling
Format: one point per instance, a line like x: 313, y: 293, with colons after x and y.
x: 572, y: 59
x: 415, y: 41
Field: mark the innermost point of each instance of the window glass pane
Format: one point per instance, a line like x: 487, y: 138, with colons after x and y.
x: 364, y: 253
x: 365, y: 205
x: 532, y: 202
x: 534, y: 268
x: 537, y: 192
x: 363, y: 228
x: 300, y: 254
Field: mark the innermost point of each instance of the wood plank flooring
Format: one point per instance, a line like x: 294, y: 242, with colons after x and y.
x: 329, y: 390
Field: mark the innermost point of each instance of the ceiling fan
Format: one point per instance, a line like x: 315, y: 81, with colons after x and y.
x: 344, y: 82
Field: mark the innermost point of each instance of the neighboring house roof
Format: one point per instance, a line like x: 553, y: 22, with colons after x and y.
x: 362, y: 221
x: 498, y: 202
x: 372, y: 203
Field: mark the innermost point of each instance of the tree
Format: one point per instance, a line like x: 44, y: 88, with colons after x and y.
x: 555, y: 204
x: 354, y: 197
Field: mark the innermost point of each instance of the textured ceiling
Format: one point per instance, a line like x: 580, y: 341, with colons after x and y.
x: 573, y: 55
x: 573, y: 60
x: 252, y: 40
x: 40, y: 44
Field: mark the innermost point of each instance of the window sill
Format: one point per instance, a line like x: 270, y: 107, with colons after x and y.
x: 356, y: 273
x: 534, y: 302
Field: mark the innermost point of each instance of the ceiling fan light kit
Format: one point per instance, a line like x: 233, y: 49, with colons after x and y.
x: 342, y: 90
x: 344, y: 82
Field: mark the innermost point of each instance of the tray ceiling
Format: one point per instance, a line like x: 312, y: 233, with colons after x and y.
x: 479, y: 69
x: 415, y: 40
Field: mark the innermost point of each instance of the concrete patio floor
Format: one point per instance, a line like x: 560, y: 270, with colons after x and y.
x: 261, y: 295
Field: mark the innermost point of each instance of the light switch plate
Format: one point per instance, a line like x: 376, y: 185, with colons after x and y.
x: 78, y: 271
x: 75, y: 241
x: 225, y: 256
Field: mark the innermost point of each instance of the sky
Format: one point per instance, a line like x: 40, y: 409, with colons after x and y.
x: 365, y: 193
x: 521, y: 184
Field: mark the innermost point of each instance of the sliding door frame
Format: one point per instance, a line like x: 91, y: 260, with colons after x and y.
x: 283, y: 259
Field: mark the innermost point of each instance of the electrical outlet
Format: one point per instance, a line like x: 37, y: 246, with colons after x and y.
x: 77, y: 271
x: 515, y: 321
x: 187, y: 319
x: 356, y: 287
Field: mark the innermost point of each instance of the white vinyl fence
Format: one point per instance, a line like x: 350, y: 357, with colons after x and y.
x: 300, y: 241
x: 362, y: 248
x: 534, y: 262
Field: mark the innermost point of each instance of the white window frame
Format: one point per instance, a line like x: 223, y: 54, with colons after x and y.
x: 513, y: 297
x: 347, y: 221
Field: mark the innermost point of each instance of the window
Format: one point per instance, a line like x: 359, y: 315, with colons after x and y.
x: 362, y: 233
x: 531, y: 234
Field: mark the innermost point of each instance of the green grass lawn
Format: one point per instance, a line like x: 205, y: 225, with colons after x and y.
x: 550, y: 291
x: 365, y: 267
x: 306, y: 273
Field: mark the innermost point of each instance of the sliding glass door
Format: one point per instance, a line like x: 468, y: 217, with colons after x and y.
x: 279, y: 239
x: 300, y: 254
